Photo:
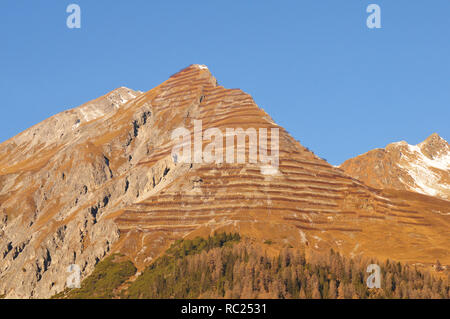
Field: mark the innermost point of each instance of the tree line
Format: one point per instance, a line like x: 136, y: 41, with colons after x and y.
x: 231, y: 268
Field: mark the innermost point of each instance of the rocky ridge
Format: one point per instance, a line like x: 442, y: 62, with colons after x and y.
x: 422, y: 168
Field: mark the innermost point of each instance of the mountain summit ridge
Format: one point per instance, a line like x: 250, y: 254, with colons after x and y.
x: 423, y: 168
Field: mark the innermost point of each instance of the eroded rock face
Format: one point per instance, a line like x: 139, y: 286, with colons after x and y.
x: 55, y: 186
x: 422, y: 168
x: 102, y: 178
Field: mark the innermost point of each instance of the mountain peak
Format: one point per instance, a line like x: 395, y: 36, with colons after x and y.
x: 193, y: 67
x: 192, y: 74
x: 422, y: 168
x: 433, y: 139
x: 435, y: 147
x: 433, y: 136
x: 201, y: 66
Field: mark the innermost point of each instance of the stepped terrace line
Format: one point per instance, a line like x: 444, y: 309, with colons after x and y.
x: 213, y: 152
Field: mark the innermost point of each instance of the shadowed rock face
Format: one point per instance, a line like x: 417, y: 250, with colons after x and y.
x: 422, y: 168
x: 101, y: 178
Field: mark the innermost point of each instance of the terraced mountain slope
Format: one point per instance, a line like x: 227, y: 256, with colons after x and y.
x: 83, y: 185
x: 422, y: 168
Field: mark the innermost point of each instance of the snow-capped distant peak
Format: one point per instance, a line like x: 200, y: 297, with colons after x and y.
x: 442, y: 161
x: 424, y: 169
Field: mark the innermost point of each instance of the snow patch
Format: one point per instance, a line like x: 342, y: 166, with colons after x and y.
x: 420, y: 168
x: 201, y: 66
x: 423, y: 178
x: 440, y: 162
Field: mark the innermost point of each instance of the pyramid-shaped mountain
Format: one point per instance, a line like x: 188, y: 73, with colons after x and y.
x: 104, y: 178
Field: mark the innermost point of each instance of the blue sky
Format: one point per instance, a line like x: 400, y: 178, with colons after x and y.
x: 338, y: 87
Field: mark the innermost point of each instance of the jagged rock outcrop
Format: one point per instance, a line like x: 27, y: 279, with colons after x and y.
x: 103, y: 178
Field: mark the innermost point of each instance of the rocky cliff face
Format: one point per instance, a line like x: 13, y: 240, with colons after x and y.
x: 422, y: 168
x: 55, y: 181
x: 102, y: 178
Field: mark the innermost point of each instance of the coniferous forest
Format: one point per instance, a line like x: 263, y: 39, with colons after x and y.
x: 226, y: 266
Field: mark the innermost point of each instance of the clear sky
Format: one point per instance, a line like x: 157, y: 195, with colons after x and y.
x: 337, y: 86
